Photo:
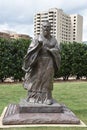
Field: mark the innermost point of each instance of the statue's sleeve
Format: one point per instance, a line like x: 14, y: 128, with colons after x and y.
x: 33, y: 43
x: 27, y: 61
x: 55, y: 52
x: 31, y: 56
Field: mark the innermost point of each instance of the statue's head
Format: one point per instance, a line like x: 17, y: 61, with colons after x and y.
x: 46, y: 27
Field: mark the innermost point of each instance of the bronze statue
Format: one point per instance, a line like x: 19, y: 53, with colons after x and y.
x: 40, y: 63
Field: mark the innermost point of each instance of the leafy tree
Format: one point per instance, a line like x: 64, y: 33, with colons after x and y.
x: 73, y: 60
x: 78, y: 60
x: 11, y: 58
x: 66, y: 60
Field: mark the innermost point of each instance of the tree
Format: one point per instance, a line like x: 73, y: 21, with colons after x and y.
x: 73, y: 60
x: 78, y: 59
x: 11, y: 57
x: 66, y: 60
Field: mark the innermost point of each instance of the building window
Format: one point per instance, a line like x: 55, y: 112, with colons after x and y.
x: 74, y: 26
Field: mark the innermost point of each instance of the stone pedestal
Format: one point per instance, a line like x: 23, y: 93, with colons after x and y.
x: 28, y: 113
x: 25, y: 107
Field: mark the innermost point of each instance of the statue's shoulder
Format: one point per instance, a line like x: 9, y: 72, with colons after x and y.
x: 34, y: 42
x: 54, y: 40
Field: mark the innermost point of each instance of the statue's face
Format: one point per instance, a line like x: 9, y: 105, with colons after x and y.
x: 46, y: 27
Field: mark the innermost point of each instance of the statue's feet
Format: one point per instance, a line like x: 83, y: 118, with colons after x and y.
x: 49, y: 101
x: 32, y: 100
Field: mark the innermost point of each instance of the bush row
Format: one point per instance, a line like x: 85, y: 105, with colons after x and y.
x: 73, y: 59
x: 11, y: 58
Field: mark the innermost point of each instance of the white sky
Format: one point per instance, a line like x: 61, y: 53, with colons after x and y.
x: 17, y: 15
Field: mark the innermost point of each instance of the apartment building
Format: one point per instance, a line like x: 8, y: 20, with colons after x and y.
x: 61, y: 25
x: 76, y: 28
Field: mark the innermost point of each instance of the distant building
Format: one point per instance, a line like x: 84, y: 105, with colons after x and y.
x: 13, y: 35
x: 19, y: 36
x: 62, y: 25
x: 76, y: 28
x: 4, y: 35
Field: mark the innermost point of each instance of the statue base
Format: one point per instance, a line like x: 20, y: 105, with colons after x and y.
x: 28, y: 113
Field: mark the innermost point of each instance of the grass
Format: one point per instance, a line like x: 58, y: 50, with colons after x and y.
x: 45, y: 128
x: 72, y: 94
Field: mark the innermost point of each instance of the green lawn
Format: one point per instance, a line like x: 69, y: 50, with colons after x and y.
x: 72, y: 94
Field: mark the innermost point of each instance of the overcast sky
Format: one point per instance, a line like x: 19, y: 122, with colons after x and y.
x: 17, y: 15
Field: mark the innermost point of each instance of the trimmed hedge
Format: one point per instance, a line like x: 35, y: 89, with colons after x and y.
x: 12, y: 52
x: 73, y: 60
x: 11, y: 58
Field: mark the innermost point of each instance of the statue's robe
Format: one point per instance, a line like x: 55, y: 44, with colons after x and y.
x: 40, y: 63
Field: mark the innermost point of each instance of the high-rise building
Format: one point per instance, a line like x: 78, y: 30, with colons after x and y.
x: 76, y: 28
x: 61, y: 25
